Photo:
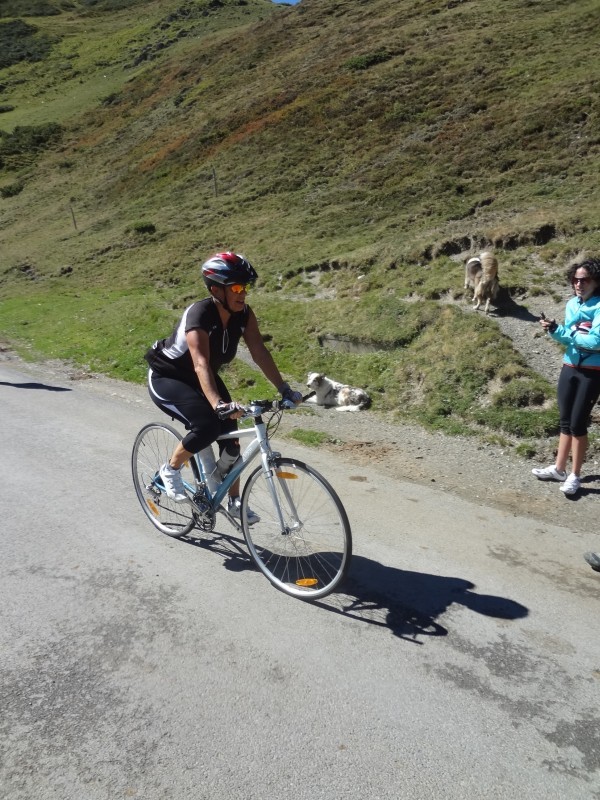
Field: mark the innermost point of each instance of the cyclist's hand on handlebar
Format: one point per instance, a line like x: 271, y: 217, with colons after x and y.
x: 289, y: 397
x: 228, y: 410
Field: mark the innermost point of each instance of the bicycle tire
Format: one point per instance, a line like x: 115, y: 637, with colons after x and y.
x: 310, y: 558
x: 152, y: 448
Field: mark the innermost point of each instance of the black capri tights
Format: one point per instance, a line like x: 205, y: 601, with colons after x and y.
x: 578, y: 391
x: 188, y: 405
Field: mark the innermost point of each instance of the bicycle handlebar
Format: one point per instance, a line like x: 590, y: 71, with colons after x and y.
x: 257, y: 407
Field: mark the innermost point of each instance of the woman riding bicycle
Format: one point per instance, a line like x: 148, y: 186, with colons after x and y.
x: 183, y: 378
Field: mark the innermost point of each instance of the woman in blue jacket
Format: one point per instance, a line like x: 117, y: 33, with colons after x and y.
x: 579, y: 381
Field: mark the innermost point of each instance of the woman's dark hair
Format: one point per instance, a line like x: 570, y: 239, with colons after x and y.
x: 592, y: 265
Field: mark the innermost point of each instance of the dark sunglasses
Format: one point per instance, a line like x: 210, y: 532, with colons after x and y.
x: 581, y: 280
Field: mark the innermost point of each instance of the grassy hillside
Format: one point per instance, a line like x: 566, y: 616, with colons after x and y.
x: 355, y: 151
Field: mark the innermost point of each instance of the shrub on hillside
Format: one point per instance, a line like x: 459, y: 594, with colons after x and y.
x: 110, y: 5
x: 143, y: 227
x: 31, y: 8
x: 11, y: 189
x: 368, y: 60
x: 29, y: 138
x: 21, y: 42
x: 112, y: 99
x: 25, y: 142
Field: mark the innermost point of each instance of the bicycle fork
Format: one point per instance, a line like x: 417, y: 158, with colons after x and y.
x: 272, y: 472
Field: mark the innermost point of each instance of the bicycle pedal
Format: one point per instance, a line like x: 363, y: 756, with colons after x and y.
x: 206, y: 524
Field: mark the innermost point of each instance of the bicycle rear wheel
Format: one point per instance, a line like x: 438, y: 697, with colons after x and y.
x: 308, y: 556
x: 153, y: 447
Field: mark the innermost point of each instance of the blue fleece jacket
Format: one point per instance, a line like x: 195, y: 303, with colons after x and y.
x: 581, y: 333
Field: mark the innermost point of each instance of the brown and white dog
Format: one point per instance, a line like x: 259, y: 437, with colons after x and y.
x: 481, y: 274
x: 330, y: 393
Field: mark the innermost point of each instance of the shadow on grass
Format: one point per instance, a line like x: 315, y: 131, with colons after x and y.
x: 407, y: 603
x: 36, y: 386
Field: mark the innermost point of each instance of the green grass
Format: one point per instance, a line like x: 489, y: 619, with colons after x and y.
x: 85, y: 328
x: 310, y: 438
x: 357, y: 177
x: 422, y: 378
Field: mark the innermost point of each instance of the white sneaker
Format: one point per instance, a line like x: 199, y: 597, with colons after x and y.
x: 572, y: 485
x: 173, y: 483
x: 234, y: 505
x: 549, y: 474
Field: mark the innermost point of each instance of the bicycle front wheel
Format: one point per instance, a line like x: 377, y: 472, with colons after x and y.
x: 153, y: 447
x: 302, y: 540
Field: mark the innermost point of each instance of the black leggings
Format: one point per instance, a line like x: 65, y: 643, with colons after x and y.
x: 188, y: 405
x: 578, y: 391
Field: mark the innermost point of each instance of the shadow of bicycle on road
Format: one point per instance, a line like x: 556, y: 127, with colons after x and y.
x: 407, y: 603
x: 36, y: 386
x: 230, y: 547
x: 410, y: 603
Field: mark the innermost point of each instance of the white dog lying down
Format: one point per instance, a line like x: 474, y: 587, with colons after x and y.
x: 331, y: 393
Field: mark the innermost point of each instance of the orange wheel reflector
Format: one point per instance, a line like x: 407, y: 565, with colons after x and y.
x: 288, y: 476
x: 306, y: 582
x: 153, y: 507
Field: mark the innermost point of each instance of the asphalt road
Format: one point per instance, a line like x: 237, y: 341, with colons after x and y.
x: 454, y: 665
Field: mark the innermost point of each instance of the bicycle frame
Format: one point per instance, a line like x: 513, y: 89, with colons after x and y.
x: 260, y: 443
x: 248, y: 456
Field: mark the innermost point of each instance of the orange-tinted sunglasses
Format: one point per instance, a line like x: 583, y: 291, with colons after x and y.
x: 238, y: 288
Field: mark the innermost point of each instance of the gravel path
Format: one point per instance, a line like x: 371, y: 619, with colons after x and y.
x: 521, y: 325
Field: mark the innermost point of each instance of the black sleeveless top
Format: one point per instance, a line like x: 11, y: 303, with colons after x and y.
x: 171, y: 357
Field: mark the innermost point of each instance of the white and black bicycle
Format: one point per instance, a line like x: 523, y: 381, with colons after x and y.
x: 301, y: 541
